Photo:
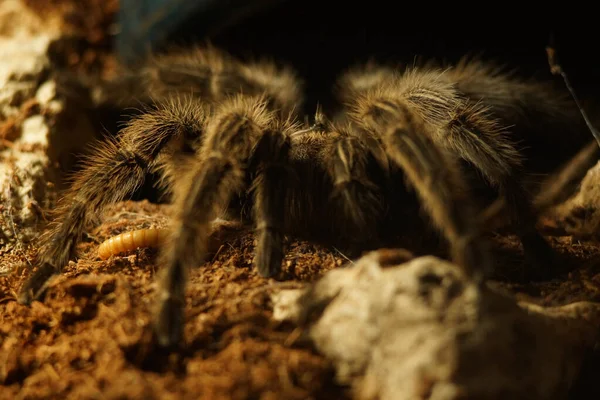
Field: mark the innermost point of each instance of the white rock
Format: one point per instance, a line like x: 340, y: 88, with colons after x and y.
x: 422, y: 329
x: 580, y: 215
x: 29, y: 159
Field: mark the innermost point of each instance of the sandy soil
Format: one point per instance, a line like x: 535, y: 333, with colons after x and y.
x: 88, y: 337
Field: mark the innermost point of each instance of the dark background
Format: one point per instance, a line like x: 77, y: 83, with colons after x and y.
x: 321, y: 38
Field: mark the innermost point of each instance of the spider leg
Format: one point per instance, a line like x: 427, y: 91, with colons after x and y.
x: 114, y: 170
x: 473, y: 135
x: 436, y: 178
x: 272, y: 156
x: 232, y: 136
x: 203, y: 72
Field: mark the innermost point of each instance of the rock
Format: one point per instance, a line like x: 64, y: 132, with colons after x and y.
x: 423, y: 329
x: 40, y: 129
x: 580, y: 215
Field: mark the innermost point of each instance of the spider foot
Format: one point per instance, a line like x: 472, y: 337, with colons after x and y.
x: 35, y: 286
x: 168, y: 322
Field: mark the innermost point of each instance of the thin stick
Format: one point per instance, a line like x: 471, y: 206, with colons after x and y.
x: 556, y: 69
x: 343, y: 255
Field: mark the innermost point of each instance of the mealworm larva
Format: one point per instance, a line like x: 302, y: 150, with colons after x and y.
x: 127, y: 241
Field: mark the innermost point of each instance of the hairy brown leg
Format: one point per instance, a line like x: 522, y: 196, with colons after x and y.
x: 472, y: 133
x: 236, y: 129
x: 202, y: 72
x: 272, y: 156
x: 457, y: 104
x: 113, y: 171
x: 480, y: 141
x: 436, y: 177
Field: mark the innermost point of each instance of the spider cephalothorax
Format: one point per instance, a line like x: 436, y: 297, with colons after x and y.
x: 224, y: 137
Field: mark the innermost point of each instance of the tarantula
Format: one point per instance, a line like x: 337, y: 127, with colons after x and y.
x: 225, y: 136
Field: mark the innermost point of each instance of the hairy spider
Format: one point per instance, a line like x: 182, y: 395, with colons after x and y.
x: 224, y: 136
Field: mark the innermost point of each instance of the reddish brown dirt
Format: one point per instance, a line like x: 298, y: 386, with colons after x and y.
x: 89, y: 337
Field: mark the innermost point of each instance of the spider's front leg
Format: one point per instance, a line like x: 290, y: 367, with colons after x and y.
x: 435, y: 176
x: 271, y: 164
x: 243, y: 135
x: 112, y: 172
